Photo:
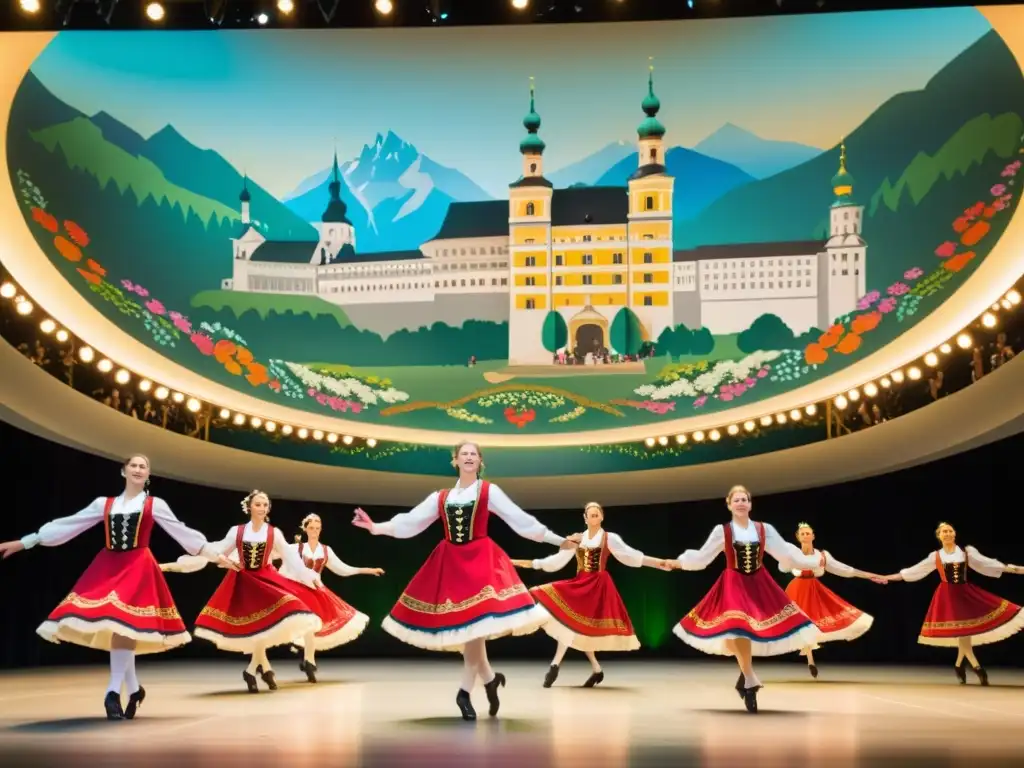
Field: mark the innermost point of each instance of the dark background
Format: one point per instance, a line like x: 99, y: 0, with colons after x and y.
x: 880, y: 524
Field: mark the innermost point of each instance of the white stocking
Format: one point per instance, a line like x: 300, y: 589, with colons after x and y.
x: 131, y: 680
x: 309, y: 648
x: 559, y: 654
x: 475, y: 652
x: 468, y: 673
x: 592, y: 657
x: 119, y: 660
x: 965, y: 648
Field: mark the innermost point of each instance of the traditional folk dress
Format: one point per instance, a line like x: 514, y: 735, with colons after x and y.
x: 835, y: 618
x: 468, y: 588
x: 123, y: 591
x: 960, y: 609
x: 258, y: 607
x: 586, y: 612
x: 745, y: 601
x: 341, y: 622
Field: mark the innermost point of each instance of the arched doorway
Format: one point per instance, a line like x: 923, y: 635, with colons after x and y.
x: 589, y: 338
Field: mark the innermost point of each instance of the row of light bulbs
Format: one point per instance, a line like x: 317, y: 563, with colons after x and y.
x: 841, y: 401
x: 88, y: 355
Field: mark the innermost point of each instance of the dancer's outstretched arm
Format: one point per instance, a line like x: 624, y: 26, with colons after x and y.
x: 59, y: 531
x: 836, y: 568
x: 786, y: 553
x: 523, y: 523
x: 404, y: 525
x: 550, y: 564
x: 335, y: 565
x: 634, y: 558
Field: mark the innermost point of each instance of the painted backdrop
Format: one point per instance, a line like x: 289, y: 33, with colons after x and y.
x: 523, y: 229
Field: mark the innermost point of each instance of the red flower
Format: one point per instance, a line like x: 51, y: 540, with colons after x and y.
x: 520, y: 418
x: 154, y: 306
x: 67, y: 249
x: 946, y: 250
x: 45, y: 220
x: 961, y: 225
x: 95, y: 267
x: 77, y: 234
x: 203, y: 343
x: 92, y: 277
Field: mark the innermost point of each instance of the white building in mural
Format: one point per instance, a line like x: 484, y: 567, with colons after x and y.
x: 601, y: 249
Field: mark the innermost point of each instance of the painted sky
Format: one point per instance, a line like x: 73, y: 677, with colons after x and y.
x: 275, y: 102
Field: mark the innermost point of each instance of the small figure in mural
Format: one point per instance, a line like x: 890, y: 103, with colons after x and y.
x: 746, y: 613
x: 962, y: 615
x: 586, y: 612
x: 121, y: 604
x: 468, y: 591
x: 256, y: 607
x: 343, y: 623
x: 835, y: 618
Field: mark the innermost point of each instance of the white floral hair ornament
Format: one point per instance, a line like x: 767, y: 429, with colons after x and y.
x: 248, y: 499
x: 310, y: 518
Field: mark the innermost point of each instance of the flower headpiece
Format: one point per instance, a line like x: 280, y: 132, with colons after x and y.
x: 310, y: 518
x: 252, y: 495
x: 804, y: 525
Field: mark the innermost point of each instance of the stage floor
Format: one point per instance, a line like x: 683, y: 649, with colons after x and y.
x: 402, y: 713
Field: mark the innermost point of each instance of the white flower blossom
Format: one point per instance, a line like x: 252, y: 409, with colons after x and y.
x: 348, y: 387
x: 707, y: 383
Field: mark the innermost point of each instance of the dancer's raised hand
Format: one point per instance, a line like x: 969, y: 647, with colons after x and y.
x: 9, y: 548
x: 362, y: 520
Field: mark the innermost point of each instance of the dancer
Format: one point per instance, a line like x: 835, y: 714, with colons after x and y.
x: 256, y: 607
x: 835, y: 618
x: 962, y: 615
x: 467, y: 592
x: 121, y: 603
x: 746, y: 613
x: 342, y: 623
x: 586, y: 612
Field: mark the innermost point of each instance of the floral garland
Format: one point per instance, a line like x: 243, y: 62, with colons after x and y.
x: 345, y: 393
x: 575, y: 413
x: 463, y: 415
x: 726, y: 381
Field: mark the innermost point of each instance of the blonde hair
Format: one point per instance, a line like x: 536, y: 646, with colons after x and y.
x: 305, y: 522
x: 142, y: 456
x: 939, y: 528
x: 594, y: 504
x: 462, y: 444
x: 248, y: 500
x: 737, y: 489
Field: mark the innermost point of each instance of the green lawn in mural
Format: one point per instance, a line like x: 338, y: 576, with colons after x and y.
x: 336, y: 293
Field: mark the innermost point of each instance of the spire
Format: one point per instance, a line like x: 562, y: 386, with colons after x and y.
x: 245, y: 197
x: 532, y: 143
x: 650, y: 128
x: 336, y: 208
x: 842, y: 182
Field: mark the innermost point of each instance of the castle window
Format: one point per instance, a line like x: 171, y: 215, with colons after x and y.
x: 648, y: 277
x: 846, y: 272
x: 558, y: 279
x: 649, y: 203
x: 558, y: 259
x: 533, y: 167
x: 504, y: 281
x: 530, y: 209
x: 531, y: 304
x: 771, y: 284
x: 529, y: 241
x: 654, y: 155
x: 588, y: 259
x: 648, y: 258
x: 856, y: 271
x: 648, y: 301
x: 588, y: 279
x: 856, y: 257
x: 473, y: 282
x: 531, y: 261
x: 463, y: 282
x: 462, y: 251
x: 472, y: 251
x: 531, y: 281
x: 616, y: 258
x: 586, y: 238
x: 494, y: 281
x: 616, y: 279
x: 648, y: 236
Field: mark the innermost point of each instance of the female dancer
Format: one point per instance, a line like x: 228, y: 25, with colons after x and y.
x: 256, y: 607
x: 344, y: 623
x: 746, y: 613
x: 835, y: 618
x: 467, y: 592
x: 121, y: 603
x: 961, y: 614
x: 586, y: 612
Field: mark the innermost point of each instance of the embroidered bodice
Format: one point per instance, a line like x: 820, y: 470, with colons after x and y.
x: 252, y: 554
x: 744, y: 556
x: 464, y: 517
x: 952, y: 572
x: 591, y: 558
x: 128, y: 524
x: 310, y: 559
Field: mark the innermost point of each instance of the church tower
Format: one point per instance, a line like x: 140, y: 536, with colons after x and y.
x: 529, y: 229
x: 336, y: 231
x: 842, y: 274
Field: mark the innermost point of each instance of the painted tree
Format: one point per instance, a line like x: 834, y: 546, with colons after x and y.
x: 767, y: 332
x: 555, y: 332
x: 626, y: 332
x: 674, y: 341
x: 702, y: 342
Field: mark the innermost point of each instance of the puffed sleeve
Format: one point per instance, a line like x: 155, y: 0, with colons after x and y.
x: 919, y: 571
x: 523, y: 523
x: 622, y: 552
x: 191, y: 541
x: 786, y: 553
x: 837, y: 568
x: 336, y: 565
x: 405, y: 525
x: 699, y: 559
x: 64, y: 529
x: 986, y: 566
x: 211, y: 552
x: 555, y: 562
x: 295, y: 568
x: 787, y: 568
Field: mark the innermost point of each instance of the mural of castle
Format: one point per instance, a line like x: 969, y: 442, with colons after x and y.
x: 584, y: 252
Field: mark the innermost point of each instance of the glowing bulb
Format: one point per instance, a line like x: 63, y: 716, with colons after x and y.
x: 715, y: 435
x: 224, y: 413
x: 841, y: 402
x: 520, y: 4
x: 347, y: 439
x: 811, y: 409
x: 681, y: 439
x: 178, y: 397
x: 988, y: 319
x: 662, y: 440
x: 332, y: 438
x: 145, y: 385
x: 239, y: 419
x: 161, y: 393
x: 271, y: 426
x: 649, y: 442
x: 945, y: 349
x: 155, y: 11
x: 262, y: 18
x: 733, y: 429
x: 964, y: 341
x: 63, y: 335
x: 870, y: 389
x: 7, y: 290
x: 1013, y: 297
x: 286, y: 429
x: 884, y: 381
x: 122, y: 376
x: 853, y: 395
x: 698, y: 436
x: 749, y: 425
x: 256, y: 421
x: 47, y: 326
x: 285, y: 6
x: 371, y: 443
x: 766, y: 421
x: 384, y: 6
x: 781, y: 418
x: 914, y: 373
x: 303, y: 433
x: 193, y: 405
x: 1005, y: 303
x: 795, y: 414
x: 931, y: 359
x: 25, y: 307
x: 86, y: 354
x: 30, y: 6
x: 105, y: 366
x: 897, y: 376
x: 318, y: 435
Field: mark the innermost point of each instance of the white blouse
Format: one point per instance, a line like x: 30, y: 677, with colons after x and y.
x: 64, y: 529
x: 408, y: 524
x: 621, y: 551
x: 229, y: 546
x: 986, y: 566
x: 832, y: 565
x: 334, y: 563
x: 774, y: 545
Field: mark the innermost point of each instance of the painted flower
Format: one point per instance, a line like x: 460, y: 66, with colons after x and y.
x: 181, y: 322
x: 1011, y: 169
x: 959, y: 261
x: 157, y: 308
x: 44, y: 219
x: 961, y: 224
x: 998, y: 189
x: 898, y: 289
x: 76, y: 233
x: 700, y: 401
x: 947, y: 249
x: 96, y: 267
x: 92, y: 277
x: 868, y: 299
x: 128, y: 285
x: 885, y: 306
x: 975, y: 211
x: 203, y: 343
x: 913, y: 273
x: 763, y: 372
x: 67, y: 249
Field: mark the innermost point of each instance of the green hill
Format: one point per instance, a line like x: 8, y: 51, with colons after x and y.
x: 265, y: 303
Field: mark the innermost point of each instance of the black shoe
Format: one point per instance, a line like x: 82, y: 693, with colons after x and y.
x: 740, y: 684
x: 813, y: 670
x: 465, y: 705
x: 250, y: 682
x: 961, y: 671
x: 594, y: 679
x: 310, y: 669
x: 491, y: 689
x: 134, y: 702
x: 112, y: 704
x: 550, y: 676
x: 982, y: 675
x: 268, y: 678
x: 750, y: 698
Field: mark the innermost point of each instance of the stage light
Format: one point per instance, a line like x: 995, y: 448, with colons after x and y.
x: 681, y: 439
x: 105, y: 366
x: 914, y: 373
x: 286, y: 429
x: 897, y: 376
x: 30, y: 6
x: 870, y: 389
x: 25, y: 307
x: 1013, y: 297
x: 239, y: 419
x: 988, y: 320
x: 945, y: 349
x: 86, y: 354
x: 931, y: 359
x: 1005, y: 303
x: 520, y: 4
x: 884, y: 381
x: 749, y: 425
x: 347, y: 439
x: 649, y: 442
x: 155, y: 11
x: 303, y: 433
x: 256, y: 421
x: 964, y: 341
x: 225, y: 414
x: 662, y: 440
x: 122, y: 376
x: 853, y: 395
x: 384, y: 7
x: 271, y: 426
x: 7, y: 290
x: 47, y: 326
x: 262, y: 19
x: 715, y: 435
x: 161, y: 393
x: 689, y: 4
x: 795, y: 414
x: 332, y: 438
x: 371, y: 443
x: 178, y: 397
x: 698, y: 436
x: 318, y: 435
x: 766, y: 421
x: 780, y: 418
x: 145, y: 385
x: 193, y: 405
x: 841, y: 402
x: 811, y: 409
x: 733, y: 429
x: 285, y: 6
x: 63, y: 335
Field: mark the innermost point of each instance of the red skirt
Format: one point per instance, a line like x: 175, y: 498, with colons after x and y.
x: 587, y: 613
x: 835, y: 618
x: 964, y: 610
x: 120, y: 593
x: 257, y: 609
x: 463, y: 592
x: 753, y: 607
x: 341, y: 622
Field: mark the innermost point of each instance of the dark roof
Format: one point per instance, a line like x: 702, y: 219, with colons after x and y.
x: 651, y: 169
x: 589, y: 205
x: 532, y: 181
x: 351, y: 257
x: 479, y: 219
x: 751, y: 250
x: 285, y: 252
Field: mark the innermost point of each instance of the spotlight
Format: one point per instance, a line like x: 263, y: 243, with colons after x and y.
x: 733, y: 429
x: 520, y: 4
x: 698, y: 436
x: 371, y: 443
x: 303, y: 433
x: 155, y: 11
x: 332, y: 438
x: 105, y: 366
x: 262, y: 19
x: 681, y: 439
x: 271, y: 426
x: 384, y: 7
x: 25, y: 307
x: 347, y: 439
x: 47, y: 326
x: 1005, y: 303
x: 145, y: 385
x: 945, y: 349
x: 749, y: 425
x: 649, y: 442
x: 1013, y: 297
x: 811, y: 409
x: 964, y: 341
x: 781, y: 418
x: 122, y: 376
x: 30, y: 6
x: 884, y: 381
x: 193, y: 405
x: 7, y: 290
x: 766, y: 421
x: 897, y: 376
x: 256, y: 421
x: 239, y: 419
x: 988, y: 319
x: 715, y: 435
x: 931, y: 359
x: 285, y: 6
x: 62, y: 336
x: 662, y: 440
x: 914, y: 373
x: 841, y: 402
x: 161, y: 393
x: 870, y: 389
x: 853, y: 395
x: 178, y: 397
x: 318, y: 435
x: 795, y: 414
x: 86, y: 354
x: 286, y: 429
x: 225, y: 413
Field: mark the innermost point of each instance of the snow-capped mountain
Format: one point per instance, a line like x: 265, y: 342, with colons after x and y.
x: 397, y: 197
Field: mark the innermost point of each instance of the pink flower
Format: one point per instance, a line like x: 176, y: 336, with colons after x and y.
x: 1011, y: 169
x: 181, y: 322
x: 886, y: 306
x: 898, y: 289
x: 868, y: 299
x: 998, y: 190
x: 128, y: 285
x: 946, y: 250
x: 140, y: 291
x: 739, y: 389
x: 726, y: 396
x: 154, y: 306
x: 311, y: 392
x: 357, y: 407
x: 913, y: 273
x: 749, y: 381
x: 203, y: 343
x: 699, y: 402
x: 762, y: 373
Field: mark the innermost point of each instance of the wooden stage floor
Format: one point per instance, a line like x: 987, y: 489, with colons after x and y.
x: 403, y: 713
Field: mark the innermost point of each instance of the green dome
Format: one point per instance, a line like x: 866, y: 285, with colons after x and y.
x: 532, y: 144
x: 651, y: 104
x: 651, y: 128
x: 842, y: 179
x: 532, y: 120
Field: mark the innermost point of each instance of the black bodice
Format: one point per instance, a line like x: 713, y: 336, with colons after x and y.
x: 588, y: 560
x: 459, y: 519
x: 747, y: 556
x: 124, y: 531
x: 252, y: 554
x: 956, y: 573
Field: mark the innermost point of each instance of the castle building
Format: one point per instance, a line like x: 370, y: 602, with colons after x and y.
x: 586, y: 253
